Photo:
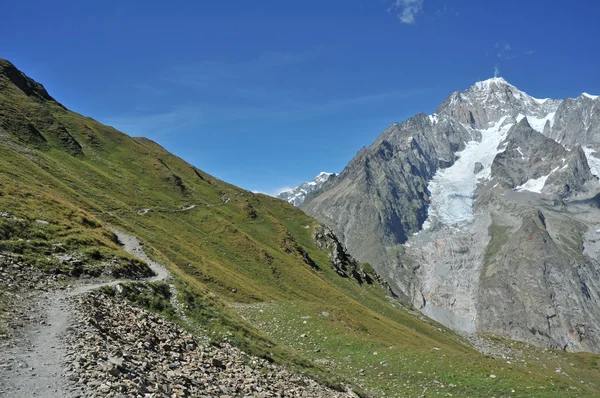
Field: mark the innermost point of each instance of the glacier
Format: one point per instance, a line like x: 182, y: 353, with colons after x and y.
x: 452, y: 189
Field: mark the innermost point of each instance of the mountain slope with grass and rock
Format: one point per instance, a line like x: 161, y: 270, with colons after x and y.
x: 217, y: 291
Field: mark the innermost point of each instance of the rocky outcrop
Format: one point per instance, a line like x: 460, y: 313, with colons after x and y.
x: 31, y: 123
x: 341, y: 261
x: 28, y: 86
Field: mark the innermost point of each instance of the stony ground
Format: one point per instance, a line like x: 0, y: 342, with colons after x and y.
x: 62, y: 338
x: 119, y: 350
x: 32, y: 313
x: 20, y: 287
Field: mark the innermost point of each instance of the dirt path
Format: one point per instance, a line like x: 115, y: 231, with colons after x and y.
x: 32, y: 365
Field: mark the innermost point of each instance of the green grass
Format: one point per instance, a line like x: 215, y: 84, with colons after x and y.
x: 234, y: 255
x: 41, y: 228
x: 152, y: 296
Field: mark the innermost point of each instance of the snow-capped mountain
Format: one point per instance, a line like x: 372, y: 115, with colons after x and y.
x: 488, y: 109
x: 483, y: 214
x: 297, y: 195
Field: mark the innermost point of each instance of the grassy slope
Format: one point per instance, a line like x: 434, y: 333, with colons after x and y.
x: 233, y: 259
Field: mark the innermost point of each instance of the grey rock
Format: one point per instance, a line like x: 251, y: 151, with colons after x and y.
x: 530, y: 155
x: 577, y: 122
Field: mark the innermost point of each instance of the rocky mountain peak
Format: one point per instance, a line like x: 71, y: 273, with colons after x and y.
x: 322, y: 177
x: 590, y: 96
x: 577, y: 121
x: 486, y: 102
x: 491, y: 84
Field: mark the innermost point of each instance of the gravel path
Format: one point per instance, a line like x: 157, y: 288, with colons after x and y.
x: 32, y: 365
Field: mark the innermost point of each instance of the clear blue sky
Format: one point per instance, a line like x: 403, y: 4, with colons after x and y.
x: 266, y: 94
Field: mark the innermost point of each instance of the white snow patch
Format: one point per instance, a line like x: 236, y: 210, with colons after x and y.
x: 593, y: 160
x: 433, y: 119
x: 590, y: 96
x: 485, y: 84
x: 535, y: 184
x: 539, y: 123
x: 522, y: 156
x: 540, y: 101
x: 452, y: 189
x: 426, y: 224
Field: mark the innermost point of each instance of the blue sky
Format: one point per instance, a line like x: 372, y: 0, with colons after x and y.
x: 266, y: 94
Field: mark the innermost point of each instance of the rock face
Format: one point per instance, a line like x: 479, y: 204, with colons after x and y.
x: 486, y: 102
x: 531, y: 161
x: 30, y: 87
x: 296, y: 196
x: 576, y: 122
x: 550, y: 297
x: 481, y: 214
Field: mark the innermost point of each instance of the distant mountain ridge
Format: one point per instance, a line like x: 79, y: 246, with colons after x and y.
x: 430, y: 195
x: 297, y: 195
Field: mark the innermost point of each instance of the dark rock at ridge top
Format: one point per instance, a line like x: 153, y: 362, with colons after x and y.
x: 30, y: 87
x: 32, y: 122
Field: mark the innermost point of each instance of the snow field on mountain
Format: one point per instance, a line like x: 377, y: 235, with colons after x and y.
x: 538, y: 123
x: 593, y: 160
x: 535, y: 184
